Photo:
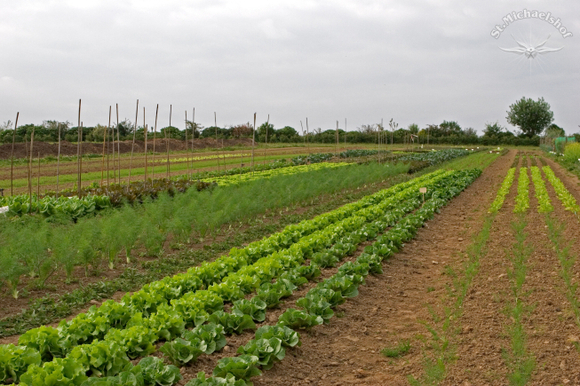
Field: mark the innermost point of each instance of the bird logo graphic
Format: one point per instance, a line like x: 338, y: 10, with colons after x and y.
x: 530, y: 51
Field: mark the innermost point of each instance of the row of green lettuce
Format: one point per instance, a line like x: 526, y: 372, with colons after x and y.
x: 316, y: 307
x: 151, y: 303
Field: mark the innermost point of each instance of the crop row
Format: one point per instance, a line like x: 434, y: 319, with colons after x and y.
x: 317, y: 304
x: 523, y: 197
x: 435, y: 157
x: 563, y: 194
x: 240, y: 178
x: 503, y: 191
x: 544, y: 204
x: 152, y: 301
x: 266, y: 345
x: 203, y: 157
x: 73, y: 207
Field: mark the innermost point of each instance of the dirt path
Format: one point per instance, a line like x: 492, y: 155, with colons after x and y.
x: 391, y: 306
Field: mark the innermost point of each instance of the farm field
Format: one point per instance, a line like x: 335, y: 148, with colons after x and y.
x: 472, y: 283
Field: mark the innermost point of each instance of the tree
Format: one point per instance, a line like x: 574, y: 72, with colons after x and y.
x: 532, y: 117
x: 450, y: 128
x: 413, y: 128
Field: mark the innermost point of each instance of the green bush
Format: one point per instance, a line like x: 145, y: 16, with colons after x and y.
x: 572, y: 152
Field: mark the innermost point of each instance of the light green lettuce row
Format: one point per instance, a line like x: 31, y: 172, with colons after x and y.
x: 239, y: 178
x: 523, y: 197
x: 503, y: 191
x: 544, y: 205
x: 564, y: 195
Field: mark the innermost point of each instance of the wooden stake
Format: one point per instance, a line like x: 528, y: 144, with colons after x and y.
x: 38, y: 180
x: 186, y: 146
x: 154, y: 138
x: 307, y: 139
x: 345, y: 148
x: 216, y: 139
x: 337, y: 139
x: 267, y: 129
x: 109, y: 147
x: 167, y: 141
x: 118, y: 163
x: 192, y: 138
x: 30, y: 171
x: 303, y: 134
x: 79, y: 131
x: 104, y: 142
x: 12, y: 156
x: 133, y: 144
x: 253, y: 142
x: 145, y: 134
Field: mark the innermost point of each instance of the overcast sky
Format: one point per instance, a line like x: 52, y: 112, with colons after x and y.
x: 415, y: 61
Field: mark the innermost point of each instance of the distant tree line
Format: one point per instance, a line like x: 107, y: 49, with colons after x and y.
x: 448, y: 132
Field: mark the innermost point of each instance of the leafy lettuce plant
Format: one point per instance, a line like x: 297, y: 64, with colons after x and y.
x: 229, y: 380
x: 256, y: 308
x: 211, y: 333
x: 233, y: 322
x: 243, y: 367
x: 15, y: 360
x: 132, y: 377
x: 101, y: 358
x: 181, y: 351
x: 316, y: 305
x: 47, y: 341
x: 155, y: 372
x: 267, y: 351
x: 60, y: 371
x: 289, y: 337
x: 298, y: 319
x: 137, y: 340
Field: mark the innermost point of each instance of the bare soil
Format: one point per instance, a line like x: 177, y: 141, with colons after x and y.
x: 21, y: 150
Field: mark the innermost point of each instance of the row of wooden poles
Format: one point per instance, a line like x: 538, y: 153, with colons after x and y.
x: 117, y: 161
